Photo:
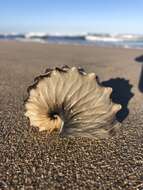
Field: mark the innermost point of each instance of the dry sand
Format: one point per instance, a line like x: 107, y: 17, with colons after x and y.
x: 31, y: 160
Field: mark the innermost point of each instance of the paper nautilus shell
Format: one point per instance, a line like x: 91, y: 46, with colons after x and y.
x: 72, y: 102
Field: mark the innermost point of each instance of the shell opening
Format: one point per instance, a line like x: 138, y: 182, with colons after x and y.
x: 53, y: 115
x: 56, y: 119
x: 56, y: 123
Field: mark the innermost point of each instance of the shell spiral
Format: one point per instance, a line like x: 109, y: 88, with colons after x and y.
x: 73, y: 102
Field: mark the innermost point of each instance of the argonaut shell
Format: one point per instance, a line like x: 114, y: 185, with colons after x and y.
x: 73, y: 102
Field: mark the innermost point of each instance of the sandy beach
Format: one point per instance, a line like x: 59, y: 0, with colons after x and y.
x: 31, y: 160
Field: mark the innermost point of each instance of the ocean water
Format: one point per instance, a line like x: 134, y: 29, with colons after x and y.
x: 103, y: 40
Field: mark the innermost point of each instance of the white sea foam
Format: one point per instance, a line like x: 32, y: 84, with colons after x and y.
x: 35, y: 34
x: 114, y: 38
x: 104, y: 39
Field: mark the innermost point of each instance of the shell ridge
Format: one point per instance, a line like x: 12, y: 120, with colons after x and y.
x: 71, y: 84
x: 72, y: 95
x: 84, y: 103
x: 84, y: 96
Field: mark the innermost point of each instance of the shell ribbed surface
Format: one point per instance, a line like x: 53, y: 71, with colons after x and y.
x: 73, y: 102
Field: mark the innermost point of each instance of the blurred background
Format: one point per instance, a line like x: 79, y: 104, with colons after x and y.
x: 103, y: 23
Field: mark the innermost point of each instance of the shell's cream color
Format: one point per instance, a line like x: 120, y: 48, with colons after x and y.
x: 73, y: 102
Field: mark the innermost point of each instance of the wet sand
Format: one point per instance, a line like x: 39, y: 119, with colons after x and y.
x: 32, y: 160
